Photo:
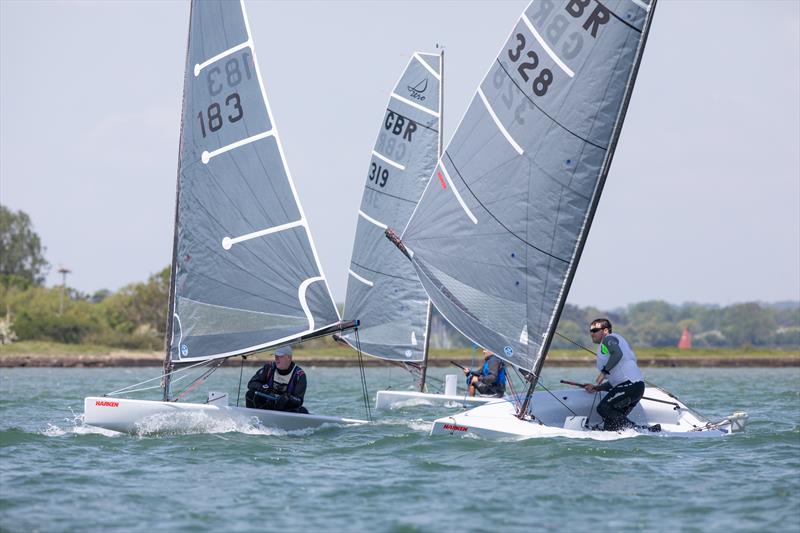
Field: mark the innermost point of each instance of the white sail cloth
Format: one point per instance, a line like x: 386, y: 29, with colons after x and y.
x: 383, y: 291
x: 245, y: 272
x: 497, y: 234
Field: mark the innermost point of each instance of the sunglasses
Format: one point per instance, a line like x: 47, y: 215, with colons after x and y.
x: 595, y: 330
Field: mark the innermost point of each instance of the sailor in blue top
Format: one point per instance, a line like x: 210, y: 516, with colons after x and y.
x: 279, y: 385
x: 491, y: 380
x: 616, y: 362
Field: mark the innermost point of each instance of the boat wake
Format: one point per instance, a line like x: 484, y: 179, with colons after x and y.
x: 186, y: 423
x: 76, y: 426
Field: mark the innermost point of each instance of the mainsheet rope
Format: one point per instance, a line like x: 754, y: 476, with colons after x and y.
x: 130, y: 388
x: 239, y: 390
x: 363, y: 377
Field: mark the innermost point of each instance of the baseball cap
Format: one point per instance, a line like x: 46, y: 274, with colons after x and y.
x: 283, y: 350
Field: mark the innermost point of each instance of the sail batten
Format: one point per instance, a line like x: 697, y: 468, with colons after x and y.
x: 246, y: 275
x: 527, y: 164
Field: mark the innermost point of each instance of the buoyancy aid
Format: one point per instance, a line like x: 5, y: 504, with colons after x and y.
x: 501, y: 374
x: 280, y: 383
x: 626, y: 369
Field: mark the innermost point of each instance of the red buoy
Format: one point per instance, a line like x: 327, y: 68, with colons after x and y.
x: 686, y: 340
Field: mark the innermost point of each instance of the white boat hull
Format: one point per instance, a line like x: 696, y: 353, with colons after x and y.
x: 389, y: 399
x: 556, y: 414
x: 144, y: 416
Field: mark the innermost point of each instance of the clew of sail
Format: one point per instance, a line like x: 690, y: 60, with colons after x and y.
x: 246, y: 275
x: 499, y: 230
x: 383, y: 291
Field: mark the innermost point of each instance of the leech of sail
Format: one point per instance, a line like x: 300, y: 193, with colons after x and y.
x: 415, y: 105
x: 207, y: 156
x: 200, y: 66
x: 500, y: 126
x: 359, y: 278
x: 227, y: 242
x: 389, y: 161
x: 427, y: 66
x: 458, y: 196
x: 553, y: 56
x: 372, y: 220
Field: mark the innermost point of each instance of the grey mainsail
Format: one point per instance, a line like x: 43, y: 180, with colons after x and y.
x: 383, y: 291
x: 245, y: 271
x: 499, y: 230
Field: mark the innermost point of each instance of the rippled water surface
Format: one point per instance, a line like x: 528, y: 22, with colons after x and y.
x: 58, y: 475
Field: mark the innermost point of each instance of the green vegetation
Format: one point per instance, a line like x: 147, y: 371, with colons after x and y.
x: 22, y: 262
x: 135, y: 317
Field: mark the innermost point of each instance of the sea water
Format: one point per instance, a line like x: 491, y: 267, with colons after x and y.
x: 56, y: 474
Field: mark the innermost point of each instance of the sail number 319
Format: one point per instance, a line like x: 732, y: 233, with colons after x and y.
x: 378, y: 174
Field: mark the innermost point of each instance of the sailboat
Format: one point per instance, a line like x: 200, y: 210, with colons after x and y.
x: 498, y: 233
x: 383, y: 290
x: 246, y: 277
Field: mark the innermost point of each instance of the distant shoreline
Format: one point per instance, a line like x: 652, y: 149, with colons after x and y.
x: 40, y: 354
x: 132, y: 361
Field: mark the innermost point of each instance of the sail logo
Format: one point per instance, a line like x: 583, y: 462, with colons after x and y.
x: 509, y: 351
x: 453, y: 427
x: 103, y: 403
x: 184, y: 350
x: 417, y: 90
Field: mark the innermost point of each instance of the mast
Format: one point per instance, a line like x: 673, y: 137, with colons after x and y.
x: 171, y: 306
x: 533, y: 377
x: 438, y: 157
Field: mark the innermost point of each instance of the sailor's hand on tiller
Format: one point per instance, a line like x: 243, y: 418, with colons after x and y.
x: 589, y: 388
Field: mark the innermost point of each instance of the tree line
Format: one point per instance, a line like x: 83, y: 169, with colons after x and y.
x: 135, y: 316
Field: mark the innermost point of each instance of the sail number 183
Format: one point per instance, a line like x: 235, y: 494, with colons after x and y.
x: 213, y: 116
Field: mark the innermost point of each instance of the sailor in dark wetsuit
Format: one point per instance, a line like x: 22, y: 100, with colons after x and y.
x: 278, y: 386
x: 616, y: 362
x: 491, y: 380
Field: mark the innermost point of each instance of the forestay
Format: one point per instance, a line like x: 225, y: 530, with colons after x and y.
x: 383, y: 291
x: 246, y: 274
x: 498, y: 233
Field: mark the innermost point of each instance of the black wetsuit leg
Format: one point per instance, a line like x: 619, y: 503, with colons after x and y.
x: 618, y: 403
x: 490, y: 390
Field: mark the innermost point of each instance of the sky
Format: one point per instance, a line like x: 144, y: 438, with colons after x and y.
x: 702, y: 203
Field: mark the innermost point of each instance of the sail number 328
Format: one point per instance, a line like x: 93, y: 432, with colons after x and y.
x: 541, y: 82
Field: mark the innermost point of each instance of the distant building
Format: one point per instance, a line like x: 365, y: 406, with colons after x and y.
x: 686, y: 340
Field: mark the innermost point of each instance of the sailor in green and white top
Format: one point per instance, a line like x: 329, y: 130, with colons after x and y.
x: 616, y: 362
